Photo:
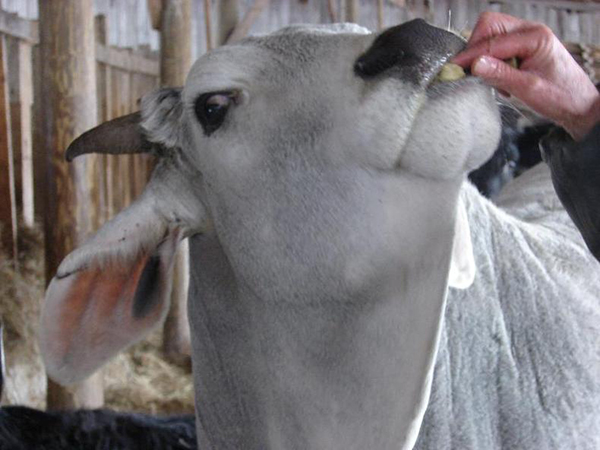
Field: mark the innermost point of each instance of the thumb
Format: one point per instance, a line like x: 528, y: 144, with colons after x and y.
x: 501, y: 75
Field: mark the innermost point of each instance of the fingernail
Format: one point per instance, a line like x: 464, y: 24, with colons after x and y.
x: 484, y: 66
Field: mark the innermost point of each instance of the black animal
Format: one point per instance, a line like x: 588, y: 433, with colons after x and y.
x: 518, y: 150
x: 23, y: 428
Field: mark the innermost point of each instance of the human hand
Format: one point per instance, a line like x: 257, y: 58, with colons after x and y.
x: 548, y: 79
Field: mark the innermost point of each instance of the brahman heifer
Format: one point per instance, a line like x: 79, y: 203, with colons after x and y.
x: 319, y: 173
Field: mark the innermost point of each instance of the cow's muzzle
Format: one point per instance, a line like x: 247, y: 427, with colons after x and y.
x: 413, y: 51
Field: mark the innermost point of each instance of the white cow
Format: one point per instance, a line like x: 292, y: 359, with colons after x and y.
x: 320, y: 175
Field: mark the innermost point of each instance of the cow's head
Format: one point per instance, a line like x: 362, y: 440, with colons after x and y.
x: 284, y: 148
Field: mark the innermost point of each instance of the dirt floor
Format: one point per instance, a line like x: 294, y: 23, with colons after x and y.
x: 139, y: 379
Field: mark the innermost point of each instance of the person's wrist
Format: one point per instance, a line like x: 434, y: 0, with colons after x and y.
x: 580, y: 125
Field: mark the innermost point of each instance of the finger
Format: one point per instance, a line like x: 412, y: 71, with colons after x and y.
x: 526, y: 86
x: 500, y: 75
x: 492, y: 24
x: 522, y: 44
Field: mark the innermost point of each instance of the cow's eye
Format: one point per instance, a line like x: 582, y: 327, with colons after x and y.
x: 211, y: 110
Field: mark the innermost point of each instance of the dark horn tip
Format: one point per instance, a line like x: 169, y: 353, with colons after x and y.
x: 122, y: 135
x: 73, y: 151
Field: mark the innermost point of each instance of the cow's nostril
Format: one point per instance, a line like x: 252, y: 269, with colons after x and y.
x: 359, y: 67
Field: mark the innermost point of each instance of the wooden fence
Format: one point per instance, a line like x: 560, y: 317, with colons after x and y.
x: 123, y: 76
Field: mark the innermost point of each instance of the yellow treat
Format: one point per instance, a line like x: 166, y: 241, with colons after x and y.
x: 451, y: 72
x: 513, y: 62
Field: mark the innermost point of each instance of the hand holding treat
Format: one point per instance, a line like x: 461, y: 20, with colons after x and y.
x: 548, y: 79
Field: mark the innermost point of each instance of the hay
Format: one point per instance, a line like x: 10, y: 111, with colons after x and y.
x: 142, y: 380
x: 139, y: 379
x: 20, y: 295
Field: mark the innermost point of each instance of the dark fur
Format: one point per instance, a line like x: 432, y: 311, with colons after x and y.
x: 23, y: 428
x: 575, y: 168
x: 518, y: 150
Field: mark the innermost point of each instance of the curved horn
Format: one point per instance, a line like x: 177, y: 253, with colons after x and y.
x: 117, y: 136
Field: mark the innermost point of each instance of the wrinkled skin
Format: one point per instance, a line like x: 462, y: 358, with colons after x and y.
x: 325, y: 228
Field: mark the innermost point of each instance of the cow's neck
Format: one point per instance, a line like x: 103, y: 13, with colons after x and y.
x: 343, y: 374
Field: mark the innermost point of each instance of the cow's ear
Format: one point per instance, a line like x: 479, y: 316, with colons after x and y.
x: 108, y: 293
x: 462, y: 266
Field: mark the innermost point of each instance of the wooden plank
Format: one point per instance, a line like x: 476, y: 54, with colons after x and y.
x: 137, y: 169
x: 332, y: 10
x: 39, y: 158
x: 115, y: 180
x: 12, y: 83
x: 15, y: 26
x: 104, y: 93
x: 352, y: 11
x: 175, y: 42
x: 21, y: 100
x: 68, y: 108
x: 228, y: 14
x: 155, y: 10
x: 28, y: 31
x: 126, y: 60
x: 208, y: 24
x: 126, y: 159
x: 100, y: 27
x: 8, y: 210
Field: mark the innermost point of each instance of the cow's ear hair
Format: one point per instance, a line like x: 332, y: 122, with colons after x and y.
x: 462, y: 265
x: 109, y: 293
x: 161, y: 117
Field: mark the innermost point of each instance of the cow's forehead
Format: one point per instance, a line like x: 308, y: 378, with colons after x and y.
x: 260, y: 58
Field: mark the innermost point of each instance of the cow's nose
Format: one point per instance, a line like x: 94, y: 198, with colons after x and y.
x: 415, y: 49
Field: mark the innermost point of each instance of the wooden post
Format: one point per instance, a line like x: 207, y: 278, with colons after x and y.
x: 21, y: 99
x: 175, y: 42
x: 126, y: 160
x: 8, y: 209
x: 243, y: 28
x: 352, y: 8
x: 103, y: 95
x: 68, y: 108
x: 229, y: 13
x: 175, y: 62
x: 208, y: 24
x: 331, y: 8
x: 39, y: 158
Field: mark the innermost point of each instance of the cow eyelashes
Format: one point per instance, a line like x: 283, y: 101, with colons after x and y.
x: 211, y: 109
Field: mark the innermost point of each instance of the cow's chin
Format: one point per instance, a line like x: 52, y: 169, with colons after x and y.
x: 456, y: 129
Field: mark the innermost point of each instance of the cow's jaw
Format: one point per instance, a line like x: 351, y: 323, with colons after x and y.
x: 334, y: 349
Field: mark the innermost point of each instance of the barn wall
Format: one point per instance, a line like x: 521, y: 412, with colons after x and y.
x: 123, y: 75
x: 128, y: 67
x: 572, y: 21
